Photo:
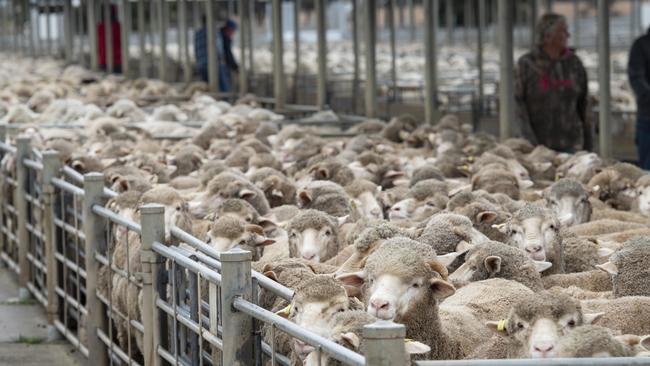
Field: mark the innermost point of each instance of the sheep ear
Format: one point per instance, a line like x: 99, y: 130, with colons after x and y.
x: 355, y: 279
x: 542, y: 167
x: 605, y: 252
x: 284, y: 312
x: 497, y: 326
x: 393, y: 174
x: 608, y: 267
x: 261, y: 241
x: 439, y: 266
x: 403, y: 134
x: 486, y: 216
x: 351, y: 339
x: 447, y: 259
x: 492, y: 263
x: 463, y: 246
x: 415, y: 347
x: 341, y: 220
x: 267, y: 224
x: 304, y: 197
x: 645, y: 342
x: 271, y: 275
x: 255, y: 229
x: 247, y: 194
x: 542, y: 266
x: 352, y: 291
x: 108, y: 162
x: 441, y: 289
x: 591, y: 317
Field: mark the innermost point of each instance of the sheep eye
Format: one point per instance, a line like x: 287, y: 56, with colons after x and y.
x: 178, y: 208
x: 328, y: 233
x: 431, y: 204
x: 520, y: 325
x: 340, y: 310
x: 571, y: 323
x: 248, y: 219
x: 416, y: 285
x: 293, y: 235
x: 242, y: 242
x: 473, y: 268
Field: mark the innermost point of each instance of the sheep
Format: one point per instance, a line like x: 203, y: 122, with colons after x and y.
x: 570, y: 202
x: 229, y: 232
x: 536, y: 230
x: 176, y: 208
x: 332, y: 169
x: 624, y: 314
x: 582, y: 166
x: 364, y: 198
x: 313, y: 235
x: 590, y: 341
x: 642, y: 201
x: 405, y: 283
x: 398, y: 128
x: 426, y: 198
x: 325, y: 196
x: 427, y: 171
x: 601, y: 227
x: 449, y: 233
x: 628, y: 267
x: 581, y: 254
x: 235, y: 185
x: 497, y: 260
x: 615, y: 185
x: 277, y: 188
x: 594, y: 280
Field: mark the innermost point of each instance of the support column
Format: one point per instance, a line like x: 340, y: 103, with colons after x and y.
x: 279, y: 85
x: 321, y: 28
x: 371, y: 76
x: 533, y: 21
x: 393, y: 49
x: 23, y: 148
x: 479, y: 56
x: 92, y: 35
x: 51, y: 168
x: 213, y: 73
x: 142, y: 32
x: 384, y: 343
x: 604, y: 106
x: 506, y: 65
x: 183, y: 40
x: 356, y: 20
x: 449, y: 20
x: 411, y: 20
x: 108, y: 37
x: 244, y: 11
x: 430, y: 56
x: 163, y: 23
x: 296, y: 41
x: 125, y: 34
x: 68, y: 29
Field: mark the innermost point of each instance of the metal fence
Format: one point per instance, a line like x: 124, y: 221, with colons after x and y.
x: 121, y: 294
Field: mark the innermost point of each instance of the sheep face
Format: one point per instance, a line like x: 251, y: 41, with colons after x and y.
x: 311, y: 244
x: 537, y: 236
x: 229, y: 232
x: 177, y: 215
x: 368, y: 205
x: 538, y: 322
x: 477, y: 267
x: 643, y: 200
x: 390, y: 295
x: 412, y: 209
x: 571, y: 209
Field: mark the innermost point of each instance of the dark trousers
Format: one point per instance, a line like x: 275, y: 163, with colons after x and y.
x: 224, y: 77
x: 643, y: 141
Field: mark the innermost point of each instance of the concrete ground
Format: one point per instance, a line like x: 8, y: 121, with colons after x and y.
x: 24, y: 333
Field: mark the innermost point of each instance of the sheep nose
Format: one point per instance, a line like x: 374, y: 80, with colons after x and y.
x: 375, y: 212
x: 308, y: 256
x: 379, y: 304
x: 534, y: 249
x: 544, y: 347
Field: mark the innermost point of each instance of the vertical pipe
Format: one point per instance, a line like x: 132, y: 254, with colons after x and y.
x: 82, y: 33
x: 213, y: 74
x: 549, y: 6
x: 243, y: 19
x: 411, y: 20
x: 355, y: 49
x: 153, y: 230
x: 183, y: 40
x: 68, y: 29
x: 108, y: 36
x: 634, y: 14
x: 506, y: 65
x: 125, y: 35
x: 236, y: 283
x: 31, y: 36
x: 576, y: 23
x: 141, y: 39
x: 92, y: 35
x: 604, y: 106
x: 467, y: 22
x: 449, y: 19
x: 51, y: 167
x: 479, y: 55
x: 249, y: 25
x: 94, y: 227
x: 278, y: 59
x: 384, y: 343
x: 495, y: 16
x: 23, y: 149
x: 321, y: 29
x: 48, y: 27
x: 400, y: 9
x: 371, y: 76
x: 296, y: 40
x: 393, y: 48
x: 431, y: 69
x: 163, y: 22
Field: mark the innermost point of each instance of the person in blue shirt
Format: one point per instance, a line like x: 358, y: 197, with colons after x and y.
x: 225, y: 58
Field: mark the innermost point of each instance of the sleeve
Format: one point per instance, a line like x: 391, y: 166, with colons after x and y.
x: 521, y: 108
x: 582, y: 106
x: 230, y: 58
x: 636, y: 72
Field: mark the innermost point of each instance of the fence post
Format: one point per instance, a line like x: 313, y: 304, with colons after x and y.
x: 237, y: 326
x: 20, y: 203
x: 3, y: 182
x: 384, y: 343
x: 51, y: 167
x: 153, y: 230
x: 94, y: 230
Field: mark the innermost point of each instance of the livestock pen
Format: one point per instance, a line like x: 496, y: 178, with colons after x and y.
x: 198, y: 306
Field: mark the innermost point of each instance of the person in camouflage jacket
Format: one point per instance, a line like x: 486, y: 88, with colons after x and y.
x: 551, y: 91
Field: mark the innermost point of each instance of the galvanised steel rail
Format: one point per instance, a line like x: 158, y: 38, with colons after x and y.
x: 612, y: 361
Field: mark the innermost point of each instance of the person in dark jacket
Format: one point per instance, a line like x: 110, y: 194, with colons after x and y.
x: 225, y: 58
x: 116, y: 39
x: 551, y: 90
x: 638, y: 72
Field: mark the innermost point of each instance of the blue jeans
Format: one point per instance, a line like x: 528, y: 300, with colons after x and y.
x: 642, y: 140
x: 224, y: 77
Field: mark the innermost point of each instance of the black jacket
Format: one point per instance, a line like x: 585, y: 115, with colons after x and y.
x: 638, y: 72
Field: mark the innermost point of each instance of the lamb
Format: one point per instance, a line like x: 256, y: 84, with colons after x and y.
x: 536, y: 230
x: 449, y: 233
x: 497, y: 260
x: 234, y: 185
x: 615, y: 185
x: 601, y: 227
x: 624, y: 314
x: 325, y: 196
x: 594, y: 280
x: 177, y: 212
x: 426, y: 198
x: 581, y: 254
x: 642, y: 202
x: 313, y: 235
x: 495, y: 179
x: 398, y: 128
x: 332, y: 169
x: 364, y: 196
x: 582, y: 166
x: 570, y: 202
x: 405, y: 283
x: 628, y: 267
x: 277, y: 188
x: 591, y: 341
x: 427, y: 171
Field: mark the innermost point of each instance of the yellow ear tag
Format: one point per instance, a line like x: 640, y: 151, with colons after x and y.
x: 408, y: 340
x: 502, y: 325
x: 284, y: 312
